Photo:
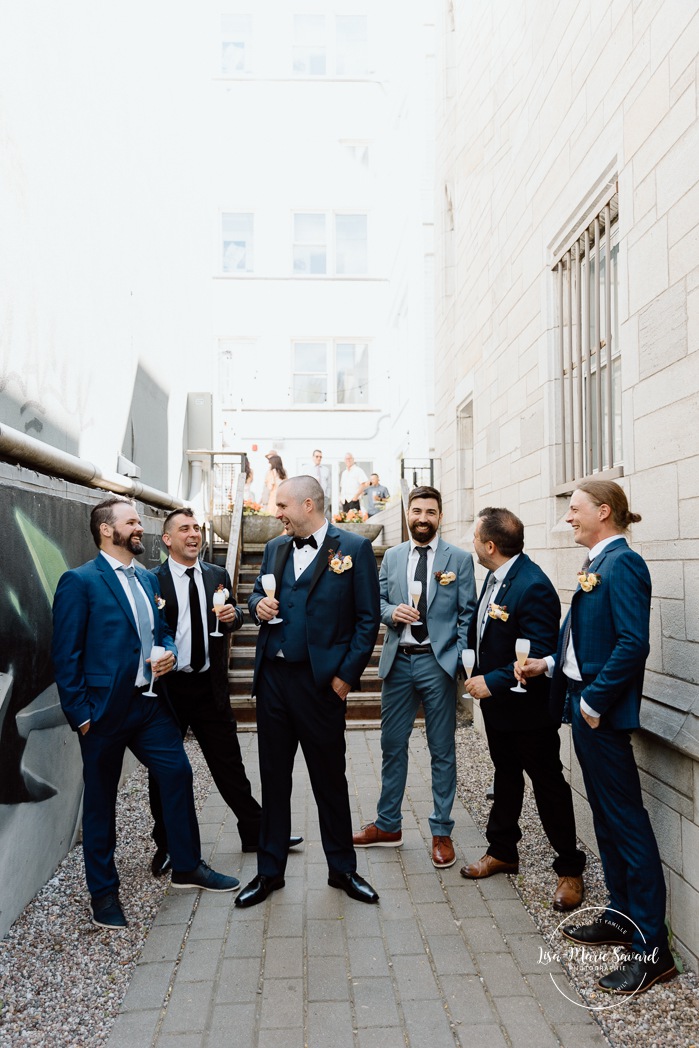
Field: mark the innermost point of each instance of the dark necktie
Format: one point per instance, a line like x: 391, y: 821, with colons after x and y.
x: 483, y: 610
x: 197, y: 657
x: 420, y: 632
x: 568, y: 621
x: 310, y: 541
x: 145, y: 631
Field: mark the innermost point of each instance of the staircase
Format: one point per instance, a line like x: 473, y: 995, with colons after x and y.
x: 363, y: 707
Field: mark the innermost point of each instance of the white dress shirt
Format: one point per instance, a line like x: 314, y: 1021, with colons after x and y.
x: 413, y: 558
x: 183, y: 633
x: 141, y: 679
x: 307, y: 554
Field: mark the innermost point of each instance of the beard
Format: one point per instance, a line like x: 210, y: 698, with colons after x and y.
x: 423, y: 532
x: 130, y: 542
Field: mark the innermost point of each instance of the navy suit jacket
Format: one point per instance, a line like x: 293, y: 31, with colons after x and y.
x: 96, y: 643
x: 449, y: 608
x: 342, y: 611
x: 610, y: 626
x: 534, y: 612
x: 213, y: 576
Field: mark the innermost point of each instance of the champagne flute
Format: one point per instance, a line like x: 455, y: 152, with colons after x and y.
x: 468, y: 657
x: 219, y: 601
x: 269, y: 585
x: 415, y: 591
x: 522, y: 647
x: 156, y: 652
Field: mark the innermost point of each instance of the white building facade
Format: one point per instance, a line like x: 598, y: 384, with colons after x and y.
x: 322, y: 234
x: 568, y: 325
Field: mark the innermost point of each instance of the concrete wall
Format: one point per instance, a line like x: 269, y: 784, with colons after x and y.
x: 539, y: 110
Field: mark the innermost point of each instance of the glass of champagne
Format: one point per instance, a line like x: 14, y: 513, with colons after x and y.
x: 522, y: 647
x: 219, y: 601
x: 468, y: 657
x: 156, y: 652
x: 269, y: 585
x: 415, y: 591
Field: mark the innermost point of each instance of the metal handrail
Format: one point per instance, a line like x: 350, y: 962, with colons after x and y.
x: 19, y: 449
x: 235, y: 537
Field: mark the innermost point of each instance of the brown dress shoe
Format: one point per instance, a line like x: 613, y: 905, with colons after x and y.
x: 370, y: 836
x: 442, y: 852
x: 487, y: 865
x: 569, y: 893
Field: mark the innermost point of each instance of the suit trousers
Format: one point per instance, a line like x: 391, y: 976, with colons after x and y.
x: 411, y: 680
x: 537, y: 753
x: 293, y: 710
x: 216, y: 731
x: 628, y: 849
x: 150, y: 732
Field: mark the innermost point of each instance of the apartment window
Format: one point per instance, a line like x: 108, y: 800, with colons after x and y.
x: 351, y: 45
x: 330, y: 372
x: 309, y: 50
x: 236, y: 370
x: 316, y: 51
x: 329, y: 244
x: 237, y: 242
x: 588, y: 352
x: 236, y: 41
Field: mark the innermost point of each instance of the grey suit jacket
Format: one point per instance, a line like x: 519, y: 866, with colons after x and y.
x: 449, y: 607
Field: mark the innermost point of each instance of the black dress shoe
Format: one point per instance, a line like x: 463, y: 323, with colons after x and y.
x: 355, y: 886
x: 640, y: 972
x: 258, y: 889
x: 600, y: 933
x: 161, y: 863
x: 293, y: 843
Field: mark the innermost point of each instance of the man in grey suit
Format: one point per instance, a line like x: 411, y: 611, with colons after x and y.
x: 420, y: 657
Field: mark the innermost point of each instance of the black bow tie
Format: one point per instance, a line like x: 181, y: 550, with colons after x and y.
x: 310, y: 541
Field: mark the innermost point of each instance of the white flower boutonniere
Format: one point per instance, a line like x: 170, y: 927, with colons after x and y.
x: 159, y: 602
x: 339, y: 563
x: 588, y: 580
x: 498, y: 611
x: 445, y: 578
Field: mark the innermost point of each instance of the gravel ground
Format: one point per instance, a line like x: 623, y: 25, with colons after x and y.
x: 62, y: 979
x: 667, y: 1015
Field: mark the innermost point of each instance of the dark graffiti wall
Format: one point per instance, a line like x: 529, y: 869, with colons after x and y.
x: 45, y: 530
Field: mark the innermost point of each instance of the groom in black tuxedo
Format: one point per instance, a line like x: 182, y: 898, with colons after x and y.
x: 327, y: 594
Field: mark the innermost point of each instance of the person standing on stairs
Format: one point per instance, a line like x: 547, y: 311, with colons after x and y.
x: 198, y: 688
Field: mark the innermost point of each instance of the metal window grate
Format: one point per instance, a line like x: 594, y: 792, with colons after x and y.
x: 588, y: 364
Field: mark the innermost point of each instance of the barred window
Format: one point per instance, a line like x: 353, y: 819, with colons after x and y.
x: 588, y: 352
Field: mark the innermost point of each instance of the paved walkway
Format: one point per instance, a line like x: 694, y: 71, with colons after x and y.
x: 440, y: 962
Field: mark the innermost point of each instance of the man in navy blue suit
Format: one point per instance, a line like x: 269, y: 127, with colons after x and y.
x: 518, y: 600
x: 105, y: 622
x: 598, y: 673
x: 327, y: 596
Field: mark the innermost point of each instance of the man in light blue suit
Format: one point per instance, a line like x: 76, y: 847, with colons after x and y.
x: 420, y: 657
x: 598, y: 674
x: 105, y: 621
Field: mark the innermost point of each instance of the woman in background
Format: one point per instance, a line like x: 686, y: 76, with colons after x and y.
x: 275, y: 475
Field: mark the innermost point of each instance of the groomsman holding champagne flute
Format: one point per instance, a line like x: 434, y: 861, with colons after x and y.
x: 518, y: 603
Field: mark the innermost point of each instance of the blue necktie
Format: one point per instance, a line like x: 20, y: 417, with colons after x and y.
x: 144, y: 627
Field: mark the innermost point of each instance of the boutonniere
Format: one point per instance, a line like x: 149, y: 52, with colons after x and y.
x: 498, y: 611
x: 444, y: 578
x: 159, y: 602
x: 588, y: 580
x: 338, y: 563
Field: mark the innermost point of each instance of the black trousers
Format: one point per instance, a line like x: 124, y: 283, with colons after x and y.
x: 292, y: 710
x: 537, y: 753
x: 217, y: 733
